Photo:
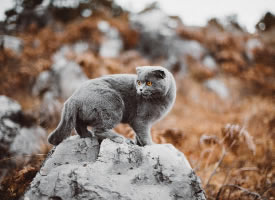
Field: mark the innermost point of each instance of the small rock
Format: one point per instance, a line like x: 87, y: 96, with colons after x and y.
x: 80, y: 47
x: 183, y: 48
x: 68, y: 75
x: 112, y: 43
x: 251, y: 46
x: 103, y: 26
x: 44, y: 82
x: 209, y: 62
x: 29, y: 141
x: 12, y: 43
x: 8, y: 107
x: 50, y: 109
x: 64, y: 77
x: 68, y: 78
x: 218, y: 87
x: 156, y: 21
x: 79, y: 169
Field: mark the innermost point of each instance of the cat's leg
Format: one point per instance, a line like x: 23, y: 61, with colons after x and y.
x: 105, y: 122
x: 112, y: 135
x: 81, y: 129
x: 143, y: 134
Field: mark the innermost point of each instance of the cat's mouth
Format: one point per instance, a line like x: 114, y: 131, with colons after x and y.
x: 144, y: 95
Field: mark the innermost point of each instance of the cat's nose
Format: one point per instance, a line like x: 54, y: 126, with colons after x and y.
x: 140, y: 89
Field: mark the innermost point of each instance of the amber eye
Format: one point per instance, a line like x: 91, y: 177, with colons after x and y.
x: 149, y: 83
x: 138, y: 82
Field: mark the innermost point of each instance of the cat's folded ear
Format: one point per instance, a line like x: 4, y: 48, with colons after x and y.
x: 159, y: 74
x: 138, y: 69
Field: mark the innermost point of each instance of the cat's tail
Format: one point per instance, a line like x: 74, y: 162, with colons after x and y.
x: 66, y: 124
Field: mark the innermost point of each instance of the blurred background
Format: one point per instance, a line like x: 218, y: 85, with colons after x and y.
x: 222, y: 54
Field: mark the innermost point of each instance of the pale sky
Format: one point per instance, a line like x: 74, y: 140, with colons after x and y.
x: 197, y: 12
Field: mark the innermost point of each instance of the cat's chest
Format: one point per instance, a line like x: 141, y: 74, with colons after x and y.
x: 151, y: 111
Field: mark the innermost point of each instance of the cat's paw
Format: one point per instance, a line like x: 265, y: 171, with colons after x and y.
x: 145, y: 143
x: 130, y: 141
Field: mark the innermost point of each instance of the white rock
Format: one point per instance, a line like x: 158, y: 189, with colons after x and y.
x: 183, y: 48
x: 251, y: 45
x: 103, y: 26
x: 65, y: 76
x: 50, y: 109
x: 42, y: 83
x: 112, y: 44
x: 68, y: 78
x: 154, y: 21
x: 218, y: 87
x: 29, y: 141
x: 12, y: 43
x: 8, y: 107
x: 209, y: 62
x: 75, y: 170
x: 80, y: 47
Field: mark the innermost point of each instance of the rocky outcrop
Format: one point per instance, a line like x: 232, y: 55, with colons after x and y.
x: 79, y: 168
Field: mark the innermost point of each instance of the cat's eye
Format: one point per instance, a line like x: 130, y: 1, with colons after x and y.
x: 149, y: 83
x: 138, y: 82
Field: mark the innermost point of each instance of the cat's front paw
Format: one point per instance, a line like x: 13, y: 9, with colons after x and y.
x: 145, y: 142
x: 130, y: 141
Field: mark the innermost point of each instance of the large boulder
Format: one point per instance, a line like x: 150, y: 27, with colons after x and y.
x: 79, y: 168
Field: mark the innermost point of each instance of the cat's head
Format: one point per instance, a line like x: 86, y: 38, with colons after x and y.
x: 152, y: 81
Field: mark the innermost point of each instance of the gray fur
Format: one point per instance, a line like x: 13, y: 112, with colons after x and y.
x: 104, y: 102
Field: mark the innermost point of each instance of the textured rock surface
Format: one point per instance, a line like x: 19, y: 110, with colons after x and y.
x: 119, y: 171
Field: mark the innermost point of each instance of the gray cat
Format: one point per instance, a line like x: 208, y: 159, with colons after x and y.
x: 102, y: 103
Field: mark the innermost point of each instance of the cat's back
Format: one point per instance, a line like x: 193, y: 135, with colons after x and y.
x: 115, y: 81
x: 119, y: 84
